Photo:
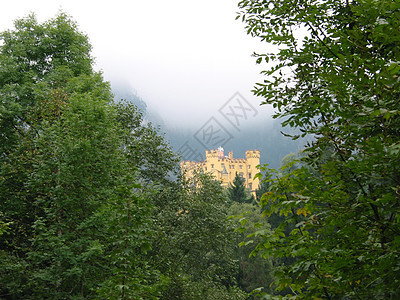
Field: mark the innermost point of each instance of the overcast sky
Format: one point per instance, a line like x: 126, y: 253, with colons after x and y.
x: 185, y: 58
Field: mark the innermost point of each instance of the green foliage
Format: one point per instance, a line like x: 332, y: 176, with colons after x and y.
x: 75, y: 221
x: 262, y: 189
x: 194, y: 244
x: 334, y: 75
x: 35, y: 59
x: 254, y: 272
x: 145, y: 147
x: 128, y: 274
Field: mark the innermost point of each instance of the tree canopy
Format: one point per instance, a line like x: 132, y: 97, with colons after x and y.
x: 75, y: 219
x: 334, y: 74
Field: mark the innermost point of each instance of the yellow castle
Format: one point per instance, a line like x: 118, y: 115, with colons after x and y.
x: 224, y: 168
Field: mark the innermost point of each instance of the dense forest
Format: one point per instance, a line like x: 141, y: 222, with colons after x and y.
x: 93, y: 204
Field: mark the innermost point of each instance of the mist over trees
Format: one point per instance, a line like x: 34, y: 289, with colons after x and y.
x: 264, y: 135
x: 123, y: 91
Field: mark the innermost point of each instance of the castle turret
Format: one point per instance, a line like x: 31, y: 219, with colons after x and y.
x: 211, y: 154
x: 253, y: 154
x: 253, y: 160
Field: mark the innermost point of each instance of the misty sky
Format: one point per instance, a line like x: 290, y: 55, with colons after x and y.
x: 185, y: 58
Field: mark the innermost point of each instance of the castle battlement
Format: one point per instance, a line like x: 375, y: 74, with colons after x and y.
x: 211, y: 152
x: 252, y: 154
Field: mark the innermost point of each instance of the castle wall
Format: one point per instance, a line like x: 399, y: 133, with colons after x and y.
x: 224, y: 168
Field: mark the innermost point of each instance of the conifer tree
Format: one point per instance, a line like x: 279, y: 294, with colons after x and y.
x: 237, y: 191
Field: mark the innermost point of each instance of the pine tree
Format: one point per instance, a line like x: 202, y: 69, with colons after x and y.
x: 237, y: 191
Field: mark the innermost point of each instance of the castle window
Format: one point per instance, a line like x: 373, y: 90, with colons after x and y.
x: 249, y: 175
x: 205, y: 168
x: 240, y: 166
x: 249, y: 166
x: 212, y: 166
x: 250, y: 186
x: 241, y: 174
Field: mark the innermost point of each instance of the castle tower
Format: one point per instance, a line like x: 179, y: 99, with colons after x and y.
x: 252, y: 160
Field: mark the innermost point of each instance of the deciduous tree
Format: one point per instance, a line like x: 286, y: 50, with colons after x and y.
x: 75, y: 221
x: 334, y: 75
